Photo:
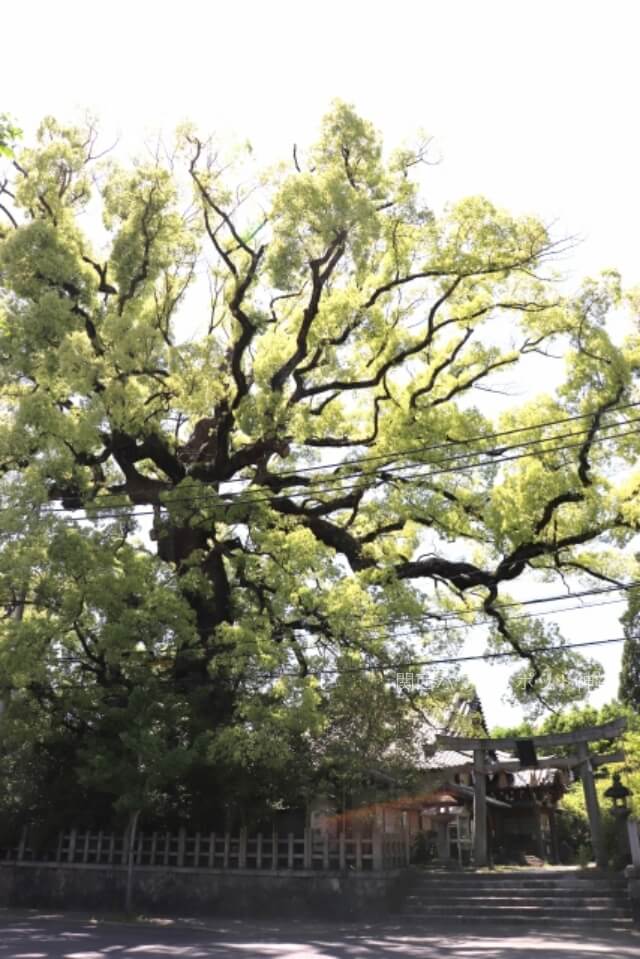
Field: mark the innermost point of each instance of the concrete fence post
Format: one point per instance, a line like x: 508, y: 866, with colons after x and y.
x: 290, y: 851
x: 140, y: 848
x: 71, y: 851
x: 130, y: 847
x: 167, y: 847
x: 59, y: 849
x: 154, y: 847
x: 407, y: 845
x: 99, y: 847
x: 227, y: 847
x: 22, y: 844
x: 307, y: 848
x: 377, y: 851
x: 259, y: 851
x: 182, y: 845
x: 634, y: 841
x: 242, y: 849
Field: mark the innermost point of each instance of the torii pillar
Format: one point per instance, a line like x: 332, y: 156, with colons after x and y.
x: 480, y: 847
x: 591, y: 802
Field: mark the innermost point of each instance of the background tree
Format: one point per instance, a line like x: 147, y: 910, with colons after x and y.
x: 211, y: 508
x: 630, y: 667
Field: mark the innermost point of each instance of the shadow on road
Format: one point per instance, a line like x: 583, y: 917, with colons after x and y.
x: 46, y: 936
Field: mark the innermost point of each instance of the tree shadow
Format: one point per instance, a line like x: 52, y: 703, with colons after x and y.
x: 54, y: 937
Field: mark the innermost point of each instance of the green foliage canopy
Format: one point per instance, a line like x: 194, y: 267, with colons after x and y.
x: 202, y: 510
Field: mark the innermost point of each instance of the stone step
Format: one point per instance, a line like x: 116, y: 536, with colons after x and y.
x: 513, y: 872
x: 575, y: 892
x: 572, y: 895
x: 520, y: 909
x: 585, y: 887
x: 566, y: 922
x: 514, y: 878
x: 537, y: 901
x: 612, y: 902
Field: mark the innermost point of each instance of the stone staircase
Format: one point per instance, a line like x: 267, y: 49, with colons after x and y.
x: 537, y: 898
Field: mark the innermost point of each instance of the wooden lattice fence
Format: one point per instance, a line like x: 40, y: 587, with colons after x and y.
x: 166, y: 850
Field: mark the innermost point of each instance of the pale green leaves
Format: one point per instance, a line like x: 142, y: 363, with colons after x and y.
x: 554, y: 677
x: 9, y: 134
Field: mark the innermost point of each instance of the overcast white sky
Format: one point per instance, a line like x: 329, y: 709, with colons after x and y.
x: 533, y: 104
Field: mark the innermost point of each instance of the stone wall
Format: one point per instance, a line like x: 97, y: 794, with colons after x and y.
x: 233, y: 893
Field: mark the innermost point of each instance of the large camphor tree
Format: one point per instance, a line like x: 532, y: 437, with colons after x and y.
x: 245, y: 440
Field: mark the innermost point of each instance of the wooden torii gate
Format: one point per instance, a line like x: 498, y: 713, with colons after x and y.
x: 579, y: 738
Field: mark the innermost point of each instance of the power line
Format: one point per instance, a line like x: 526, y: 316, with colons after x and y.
x: 443, y: 661
x: 378, y: 634
x: 422, y: 449
x: 410, y: 451
x: 394, y: 469
x: 406, y: 664
x: 483, y: 622
x: 241, y: 499
x: 449, y: 660
x: 409, y: 620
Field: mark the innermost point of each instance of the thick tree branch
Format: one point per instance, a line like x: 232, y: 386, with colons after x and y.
x: 571, y: 496
x: 584, y: 468
x: 319, y: 280
x: 394, y: 360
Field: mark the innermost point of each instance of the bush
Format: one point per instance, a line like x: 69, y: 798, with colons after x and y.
x: 584, y: 855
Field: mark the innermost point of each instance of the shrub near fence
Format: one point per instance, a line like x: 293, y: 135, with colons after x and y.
x: 311, y: 851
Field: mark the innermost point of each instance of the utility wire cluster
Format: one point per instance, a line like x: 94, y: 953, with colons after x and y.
x: 351, y: 472
x: 361, y: 470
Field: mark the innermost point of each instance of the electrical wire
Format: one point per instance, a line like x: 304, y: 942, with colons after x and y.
x: 420, y: 449
x: 315, y: 647
x: 493, y: 461
x: 312, y: 648
x: 409, y: 621
x: 448, y: 660
x: 410, y: 451
x: 404, y: 665
x: 240, y: 499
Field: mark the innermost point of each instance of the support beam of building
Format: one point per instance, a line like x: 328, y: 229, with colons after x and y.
x: 608, y: 730
x: 591, y: 802
x: 480, y: 849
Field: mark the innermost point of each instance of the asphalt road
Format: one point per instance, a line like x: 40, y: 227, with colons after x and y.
x: 40, y: 936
